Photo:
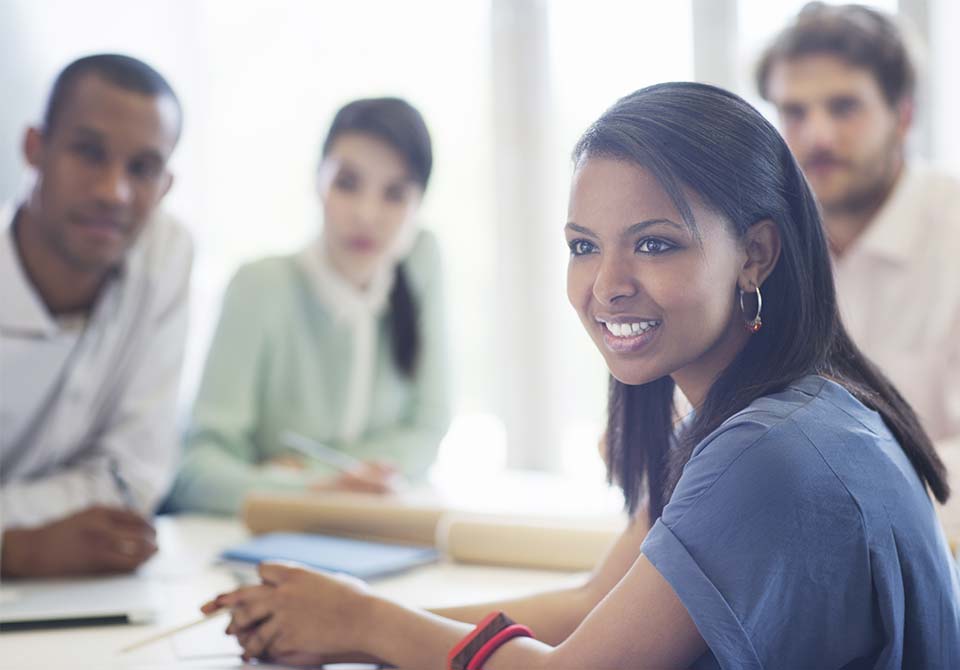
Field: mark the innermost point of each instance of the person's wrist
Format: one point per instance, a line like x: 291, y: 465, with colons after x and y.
x: 373, y: 613
x: 19, y: 545
x: 324, y: 483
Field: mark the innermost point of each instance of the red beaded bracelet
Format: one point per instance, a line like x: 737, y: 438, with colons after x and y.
x: 489, y: 635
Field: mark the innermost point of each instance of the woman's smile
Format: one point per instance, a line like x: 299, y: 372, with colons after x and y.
x: 628, y: 335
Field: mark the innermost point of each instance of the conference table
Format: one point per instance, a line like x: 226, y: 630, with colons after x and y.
x: 187, y: 573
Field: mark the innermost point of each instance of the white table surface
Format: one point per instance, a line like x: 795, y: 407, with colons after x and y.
x: 185, y: 569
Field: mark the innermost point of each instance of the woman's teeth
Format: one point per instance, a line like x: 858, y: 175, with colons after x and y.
x: 630, y: 329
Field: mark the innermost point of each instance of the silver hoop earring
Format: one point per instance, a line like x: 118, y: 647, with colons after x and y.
x: 754, y: 324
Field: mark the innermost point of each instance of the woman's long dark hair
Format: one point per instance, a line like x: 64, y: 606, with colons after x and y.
x: 398, y: 124
x: 714, y: 143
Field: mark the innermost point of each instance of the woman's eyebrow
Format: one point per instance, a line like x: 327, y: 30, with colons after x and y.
x: 632, y: 230
x: 344, y: 164
x: 579, y: 229
x: 638, y: 227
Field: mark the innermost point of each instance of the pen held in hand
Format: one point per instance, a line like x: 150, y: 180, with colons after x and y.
x: 313, y: 449
x: 129, y: 501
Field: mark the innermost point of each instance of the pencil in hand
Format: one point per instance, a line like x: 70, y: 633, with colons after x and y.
x: 175, y: 630
x: 321, y: 452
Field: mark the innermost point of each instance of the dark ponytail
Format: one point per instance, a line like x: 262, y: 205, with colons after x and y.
x: 716, y: 144
x: 404, y: 330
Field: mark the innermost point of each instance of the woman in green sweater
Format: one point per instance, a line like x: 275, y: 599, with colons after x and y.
x: 342, y: 343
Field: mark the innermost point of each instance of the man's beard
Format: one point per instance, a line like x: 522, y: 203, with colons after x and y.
x: 873, y: 179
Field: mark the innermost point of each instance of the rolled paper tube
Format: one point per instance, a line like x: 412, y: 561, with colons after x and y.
x: 525, y: 543
x: 548, y: 543
x: 366, y: 516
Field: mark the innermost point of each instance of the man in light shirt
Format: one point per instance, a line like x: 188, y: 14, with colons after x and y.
x: 93, y: 307
x: 842, y: 81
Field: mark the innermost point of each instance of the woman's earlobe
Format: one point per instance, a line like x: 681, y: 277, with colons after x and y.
x: 763, y: 250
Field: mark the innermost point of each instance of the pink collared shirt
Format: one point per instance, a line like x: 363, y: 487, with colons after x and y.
x: 899, y: 291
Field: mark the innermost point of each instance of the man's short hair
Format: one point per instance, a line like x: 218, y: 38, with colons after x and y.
x: 122, y: 71
x: 859, y: 35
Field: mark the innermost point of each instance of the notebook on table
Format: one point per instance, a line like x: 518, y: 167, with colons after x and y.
x: 60, y: 603
x: 360, y: 558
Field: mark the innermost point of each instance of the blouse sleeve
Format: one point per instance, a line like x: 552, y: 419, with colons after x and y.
x: 766, y: 550
x: 222, y: 461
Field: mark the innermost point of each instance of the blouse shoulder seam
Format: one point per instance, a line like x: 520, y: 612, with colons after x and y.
x: 843, y: 485
x: 778, y: 424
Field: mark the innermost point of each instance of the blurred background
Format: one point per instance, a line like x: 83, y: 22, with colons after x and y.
x: 506, y: 87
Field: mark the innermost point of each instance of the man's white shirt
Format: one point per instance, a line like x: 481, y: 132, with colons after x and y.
x: 899, y: 293
x: 81, y: 396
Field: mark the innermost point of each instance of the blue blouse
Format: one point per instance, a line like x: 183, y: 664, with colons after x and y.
x: 800, y: 536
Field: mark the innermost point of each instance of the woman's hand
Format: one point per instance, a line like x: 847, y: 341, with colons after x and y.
x: 369, y: 477
x: 299, y: 616
x: 288, y: 461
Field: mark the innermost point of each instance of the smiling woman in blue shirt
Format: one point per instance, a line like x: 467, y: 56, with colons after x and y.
x: 785, y: 524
